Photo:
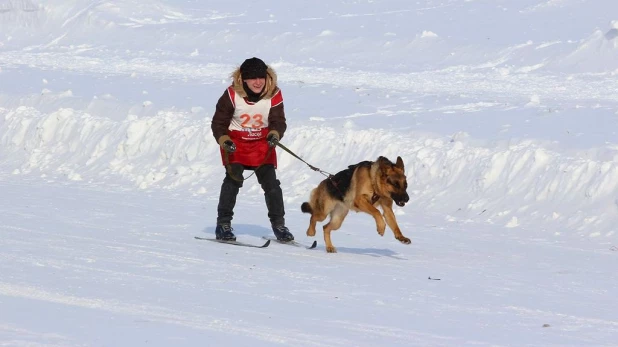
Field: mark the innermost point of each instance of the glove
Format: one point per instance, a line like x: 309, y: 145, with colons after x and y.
x: 227, y: 144
x: 272, y: 138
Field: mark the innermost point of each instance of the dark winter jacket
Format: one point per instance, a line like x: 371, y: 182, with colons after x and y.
x: 225, y: 109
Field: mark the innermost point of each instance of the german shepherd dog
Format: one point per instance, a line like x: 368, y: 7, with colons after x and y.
x: 362, y: 188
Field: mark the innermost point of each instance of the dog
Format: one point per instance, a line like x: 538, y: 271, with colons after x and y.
x: 362, y: 188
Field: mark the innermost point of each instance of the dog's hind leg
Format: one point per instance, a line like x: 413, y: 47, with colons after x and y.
x: 306, y: 208
x: 336, y: 219
x: 312, y: 223
x: 317, y: 215
x: 319, y: 206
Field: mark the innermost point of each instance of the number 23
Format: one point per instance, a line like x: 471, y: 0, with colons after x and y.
x: 254, y: 122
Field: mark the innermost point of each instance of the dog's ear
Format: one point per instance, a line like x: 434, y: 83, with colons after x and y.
x: 399, y: 163
x: 384, y: 164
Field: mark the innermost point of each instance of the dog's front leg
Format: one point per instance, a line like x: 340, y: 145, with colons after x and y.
x: 389, y: 215
x: 363, y: 203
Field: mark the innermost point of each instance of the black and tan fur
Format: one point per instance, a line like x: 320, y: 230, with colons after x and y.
x: 362, y: 188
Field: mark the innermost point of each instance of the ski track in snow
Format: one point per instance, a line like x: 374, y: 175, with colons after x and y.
x: 488, y: 85
x: 171, y: 316
x: 140, y: 254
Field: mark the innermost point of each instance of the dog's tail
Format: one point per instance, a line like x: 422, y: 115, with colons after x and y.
x: 306, y: 208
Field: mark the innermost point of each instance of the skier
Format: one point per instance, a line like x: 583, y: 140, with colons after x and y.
x: 248, y: 122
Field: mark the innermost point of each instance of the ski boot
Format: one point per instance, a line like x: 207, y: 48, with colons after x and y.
x: 283, y: 233
x: 224, y: 232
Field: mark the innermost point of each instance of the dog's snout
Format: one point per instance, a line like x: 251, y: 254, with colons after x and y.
x: 400, y: 199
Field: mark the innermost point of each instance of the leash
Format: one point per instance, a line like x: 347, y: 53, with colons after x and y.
x: 330, y: 176
x: 228, y: 167
x: 301, y: 159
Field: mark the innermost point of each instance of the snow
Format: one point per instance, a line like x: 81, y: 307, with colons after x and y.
x: 505, y: 114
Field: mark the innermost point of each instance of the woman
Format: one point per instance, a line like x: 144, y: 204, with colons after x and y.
x: 248, y: 122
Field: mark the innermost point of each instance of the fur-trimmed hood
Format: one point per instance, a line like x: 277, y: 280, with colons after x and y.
x: 270, y: 88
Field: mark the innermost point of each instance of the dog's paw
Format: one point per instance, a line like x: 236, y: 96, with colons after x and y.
x: 331, y: 249
x: 311, y: 232
x: 404, y: 240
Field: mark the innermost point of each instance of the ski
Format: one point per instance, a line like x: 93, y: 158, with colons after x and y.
x: 291, y: 243
x: 235, y: 243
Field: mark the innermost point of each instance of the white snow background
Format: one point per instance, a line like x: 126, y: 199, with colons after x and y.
x: 505, y: 113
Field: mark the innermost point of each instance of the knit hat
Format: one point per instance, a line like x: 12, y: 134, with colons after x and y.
x: 253, y: 68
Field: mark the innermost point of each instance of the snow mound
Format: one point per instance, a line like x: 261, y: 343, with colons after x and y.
x: 596, y: 54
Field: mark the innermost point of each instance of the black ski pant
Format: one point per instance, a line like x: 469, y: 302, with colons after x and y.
x: 267, y: 178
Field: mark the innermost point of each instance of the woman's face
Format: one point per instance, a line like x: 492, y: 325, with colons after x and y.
x: 256, y: 84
